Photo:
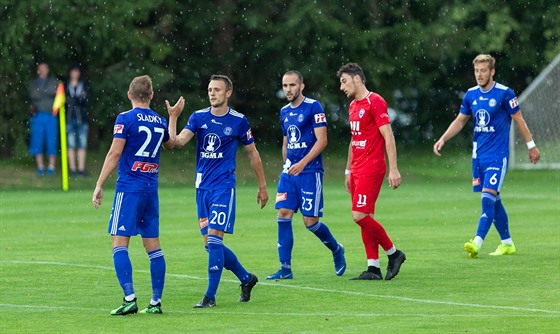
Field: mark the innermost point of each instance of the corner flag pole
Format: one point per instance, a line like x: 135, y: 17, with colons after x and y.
x: 58, y: 108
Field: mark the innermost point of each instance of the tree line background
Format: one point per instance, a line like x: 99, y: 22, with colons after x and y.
x: 416, y: 54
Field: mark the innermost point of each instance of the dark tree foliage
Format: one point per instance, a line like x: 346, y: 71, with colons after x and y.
x: 417, y: 54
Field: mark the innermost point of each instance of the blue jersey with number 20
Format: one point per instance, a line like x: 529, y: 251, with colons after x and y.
x: 492, y: 112
x: 145, y: 132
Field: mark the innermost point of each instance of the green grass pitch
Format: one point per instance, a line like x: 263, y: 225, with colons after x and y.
x: 56, y: 271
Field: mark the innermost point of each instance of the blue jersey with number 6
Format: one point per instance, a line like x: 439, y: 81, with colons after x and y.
x: 492, y: 112
x: 145, y: 132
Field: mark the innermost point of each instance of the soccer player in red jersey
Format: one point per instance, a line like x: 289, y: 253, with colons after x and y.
x: 366, y: 167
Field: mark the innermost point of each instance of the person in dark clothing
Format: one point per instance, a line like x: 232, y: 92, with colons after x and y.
x: 43, y: 123
x: 76, y: 121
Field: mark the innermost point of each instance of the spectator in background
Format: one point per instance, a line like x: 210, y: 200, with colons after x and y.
x: 43, y: 123
x: 76, y: 120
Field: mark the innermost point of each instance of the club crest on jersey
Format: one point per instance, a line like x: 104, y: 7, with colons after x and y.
x: 210, y: 145
x: 320, y: 118
x: 228, y: 131
x: 300, y: 118
x: 118, y: 128
x: 476, y: 182
x: 294, y: 135
x: 482, y: 120
x: 492, y: 103
x: 361, y: 113
x: 513, y: 103
x: 281, y: 197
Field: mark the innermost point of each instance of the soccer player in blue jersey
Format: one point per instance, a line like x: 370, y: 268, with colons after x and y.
x: 493, y: 106
x: 137, y: 139
x: 219, y: 129
x: 300, y: 186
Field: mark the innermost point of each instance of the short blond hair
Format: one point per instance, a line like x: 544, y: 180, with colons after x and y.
x: 485, y: 58
x: 141, y: 88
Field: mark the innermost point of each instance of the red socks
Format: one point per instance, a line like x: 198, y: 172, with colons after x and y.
x: 373, y: 235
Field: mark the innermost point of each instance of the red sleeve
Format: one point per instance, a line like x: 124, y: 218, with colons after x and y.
x: 378, y: 109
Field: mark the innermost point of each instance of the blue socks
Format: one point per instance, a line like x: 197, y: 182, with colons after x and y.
x: 231, y: 263
x: 501, y: 219
x: 324, y: 234
x: 487, y: 216
x: 157, y: 271
x: 215, y: 264
x: 285, y: 242
x: 123, y: 268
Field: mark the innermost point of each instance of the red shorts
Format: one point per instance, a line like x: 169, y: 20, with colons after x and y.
x: 364, y: 190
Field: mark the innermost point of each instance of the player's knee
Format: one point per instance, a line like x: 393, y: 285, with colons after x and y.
x: 357, y: 216
x: 309, y: 221
x: 285, y: 213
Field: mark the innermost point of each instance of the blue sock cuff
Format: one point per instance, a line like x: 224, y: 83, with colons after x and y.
x: 314, y: 227
x: 489, y: 196
x: 215, y: 240
x: 284, y: 220
x: 155, y: 254
x: 120, y: 249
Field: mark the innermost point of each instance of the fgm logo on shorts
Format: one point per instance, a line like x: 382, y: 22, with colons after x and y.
x: 475, y: 182
x: 281, y: 197
x: 202, y: 223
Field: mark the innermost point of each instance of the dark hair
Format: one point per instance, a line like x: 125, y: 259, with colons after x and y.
x: 294, y: 72
x: 352, y: 69
x: 225, y: 79
x: 141, y: 88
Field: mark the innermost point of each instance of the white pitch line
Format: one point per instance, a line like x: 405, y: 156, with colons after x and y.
x: 355, y: 293
x: 292, y: 314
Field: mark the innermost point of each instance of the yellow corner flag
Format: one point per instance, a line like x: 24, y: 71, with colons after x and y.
x: 58, y: 109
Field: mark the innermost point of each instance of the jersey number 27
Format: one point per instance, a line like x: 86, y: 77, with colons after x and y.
x: 142, y: 151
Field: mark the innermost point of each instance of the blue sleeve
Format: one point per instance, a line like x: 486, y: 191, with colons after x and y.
x: 166, y: 133
x: 121, y: 127
x: 466, y: 105
x: 191, y: 124
x: 319, y: 118
x: 245, y: 134
x: 511, y: 104
x: 282, y: 123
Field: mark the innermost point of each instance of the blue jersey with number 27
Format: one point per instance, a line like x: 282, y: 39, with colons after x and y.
x: 491, y: 111
x: 145, y: 132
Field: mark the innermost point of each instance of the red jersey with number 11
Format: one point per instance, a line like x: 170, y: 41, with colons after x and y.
x: 368, y: 145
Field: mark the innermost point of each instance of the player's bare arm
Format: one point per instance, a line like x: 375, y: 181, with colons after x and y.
x: 348, y: 168
x: 318, y: 147
x: 110, y: 163
x: 391, y: 149
x: 256, y: 165
x: 183, y: 138
x: 454, y: 128
x: 174, y: 113
x: 284, y: 149
x: 534, y: 153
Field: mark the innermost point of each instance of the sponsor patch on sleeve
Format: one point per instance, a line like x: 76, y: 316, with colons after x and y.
x: 118, y: 128
x: 320, y: 118
x: 249, y: 134
x: 513, y: 103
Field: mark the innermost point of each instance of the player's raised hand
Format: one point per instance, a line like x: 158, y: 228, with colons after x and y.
x: 97, y: 197
x: 394, y: 178
x: 437, y: 147
x: 262, y: 196
x: 534, y: 155
x: 176, y: 110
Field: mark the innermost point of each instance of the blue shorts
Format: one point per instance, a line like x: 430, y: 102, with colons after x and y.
x: 216, y: 209
x: 44, y: 132
x: 135, y: 213
x: 488, y: 174
x: 77, y: 135
x: 303, y: 192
